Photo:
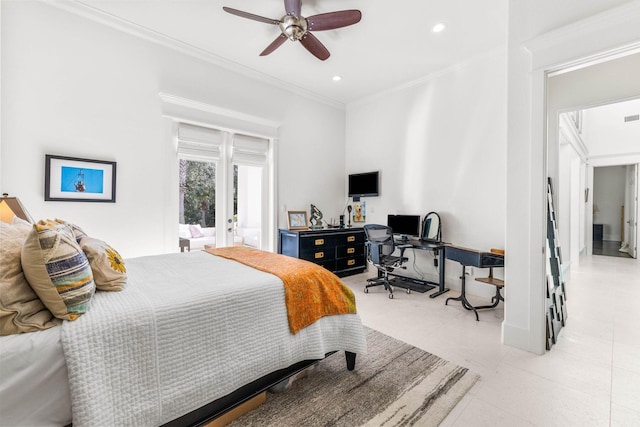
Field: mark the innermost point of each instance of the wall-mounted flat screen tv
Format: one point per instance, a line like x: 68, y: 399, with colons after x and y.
x: 364, y: 184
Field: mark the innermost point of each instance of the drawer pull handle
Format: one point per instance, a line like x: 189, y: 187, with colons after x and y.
x: 319, y: 242
x: 319, y: 255
x: 351, y: 262
x: 351, y: 238
x: 351, y: 250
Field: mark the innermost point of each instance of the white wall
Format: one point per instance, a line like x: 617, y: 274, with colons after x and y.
x: 605, y: 131
x: 570, y: 207
x: 74, y: 87
x: 608, y: 196
x: 439, y: 146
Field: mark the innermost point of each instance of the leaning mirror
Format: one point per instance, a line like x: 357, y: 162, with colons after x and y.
x: 431, y: 227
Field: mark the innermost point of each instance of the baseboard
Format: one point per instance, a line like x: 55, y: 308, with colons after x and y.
x: 520, y: 338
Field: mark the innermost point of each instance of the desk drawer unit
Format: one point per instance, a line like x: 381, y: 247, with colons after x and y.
x: 338, y: 250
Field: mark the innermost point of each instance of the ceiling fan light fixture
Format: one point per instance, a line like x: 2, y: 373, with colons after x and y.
x: 293, y: 27
x: 336, y: 78
x: 438, y: 28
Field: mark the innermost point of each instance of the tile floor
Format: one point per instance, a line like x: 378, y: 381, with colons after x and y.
x: 608, y: 248
x: 591, y: 377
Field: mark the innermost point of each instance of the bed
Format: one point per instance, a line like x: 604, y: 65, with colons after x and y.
x: 190, y: 336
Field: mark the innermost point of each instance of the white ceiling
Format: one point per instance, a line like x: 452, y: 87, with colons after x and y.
x: 392, y: 45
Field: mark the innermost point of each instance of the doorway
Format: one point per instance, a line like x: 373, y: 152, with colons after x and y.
x: 611, y: 213
x: 224, y: 187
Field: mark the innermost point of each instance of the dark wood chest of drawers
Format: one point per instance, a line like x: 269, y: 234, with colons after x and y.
x: 339, y: 250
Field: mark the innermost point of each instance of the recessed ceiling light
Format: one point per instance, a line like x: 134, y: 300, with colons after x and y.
x: 337, y: 78
x: 438, y: 28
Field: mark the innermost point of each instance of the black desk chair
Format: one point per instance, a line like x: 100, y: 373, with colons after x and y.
x: 380, y: 248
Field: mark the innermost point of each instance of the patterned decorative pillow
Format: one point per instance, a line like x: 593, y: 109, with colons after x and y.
x: 77, y: 231
x: 20, y: 308
x: 109, y: 271
x: 196, y: 231
x: 57, y: 269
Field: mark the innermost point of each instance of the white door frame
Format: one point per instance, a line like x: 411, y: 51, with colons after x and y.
x: 197, y: 113
x: 597, y: 38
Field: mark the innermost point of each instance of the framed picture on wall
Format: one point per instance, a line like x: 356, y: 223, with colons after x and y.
x: 297, y: 220
x: 359, y: 212
x: 70, y: 179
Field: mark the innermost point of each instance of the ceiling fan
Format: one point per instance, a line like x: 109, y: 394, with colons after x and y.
x: 296, y: 27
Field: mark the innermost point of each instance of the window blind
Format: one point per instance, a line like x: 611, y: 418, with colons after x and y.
x: 249, y: 150
x: 199, y: 143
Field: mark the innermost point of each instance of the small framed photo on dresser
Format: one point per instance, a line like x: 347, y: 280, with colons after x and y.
x: 297, y: 220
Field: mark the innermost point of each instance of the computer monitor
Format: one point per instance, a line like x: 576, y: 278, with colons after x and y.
x: 404, y: 225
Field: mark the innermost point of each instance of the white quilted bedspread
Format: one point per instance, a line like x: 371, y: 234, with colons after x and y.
x: 187, y: 329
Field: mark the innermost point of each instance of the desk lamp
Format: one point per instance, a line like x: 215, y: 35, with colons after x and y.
x: 11, y: 207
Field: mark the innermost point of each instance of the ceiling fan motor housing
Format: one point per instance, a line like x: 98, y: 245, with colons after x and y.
x: 292, y: 27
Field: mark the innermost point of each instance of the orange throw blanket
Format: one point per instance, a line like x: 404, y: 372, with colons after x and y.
x: 310, y: 291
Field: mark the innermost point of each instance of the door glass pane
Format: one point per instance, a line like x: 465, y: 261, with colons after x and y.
x: 197, y: 201
x: 248, y: 205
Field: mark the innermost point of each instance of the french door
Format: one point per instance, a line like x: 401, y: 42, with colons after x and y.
x: 225, y: 183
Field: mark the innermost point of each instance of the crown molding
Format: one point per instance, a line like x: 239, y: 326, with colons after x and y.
x: 86, y: 11
x: 618, y: 35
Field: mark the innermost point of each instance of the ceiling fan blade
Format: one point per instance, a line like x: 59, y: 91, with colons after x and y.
x: 274, y: 45
x: 250, y: 16
x: 333, y: 20
x: 293, y: 7
x: 313, y: 45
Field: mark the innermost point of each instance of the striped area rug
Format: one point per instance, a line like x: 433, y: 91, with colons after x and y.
x: 394, y: 384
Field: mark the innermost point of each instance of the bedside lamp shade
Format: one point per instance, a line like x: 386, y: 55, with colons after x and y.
x: 11, y: 207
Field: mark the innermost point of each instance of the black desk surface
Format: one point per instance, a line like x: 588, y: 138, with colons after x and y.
x: 420, y: 244
x: 474, y: 257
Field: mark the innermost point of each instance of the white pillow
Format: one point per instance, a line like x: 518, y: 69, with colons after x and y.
x: 183, y: 231
x: 209, y: 231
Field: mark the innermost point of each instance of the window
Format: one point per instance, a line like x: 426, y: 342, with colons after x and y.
x: 222, y: 178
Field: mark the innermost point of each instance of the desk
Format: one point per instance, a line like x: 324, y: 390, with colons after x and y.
x: 420, y: 284
x: 472, y: 257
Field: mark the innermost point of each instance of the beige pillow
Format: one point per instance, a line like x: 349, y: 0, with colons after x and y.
x: 20, y: 308
x: 109, y: 271
x: 57, y: 269
x: 77, y: 231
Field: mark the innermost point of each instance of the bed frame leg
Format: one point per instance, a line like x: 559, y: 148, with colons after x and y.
x: 351, y: 360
